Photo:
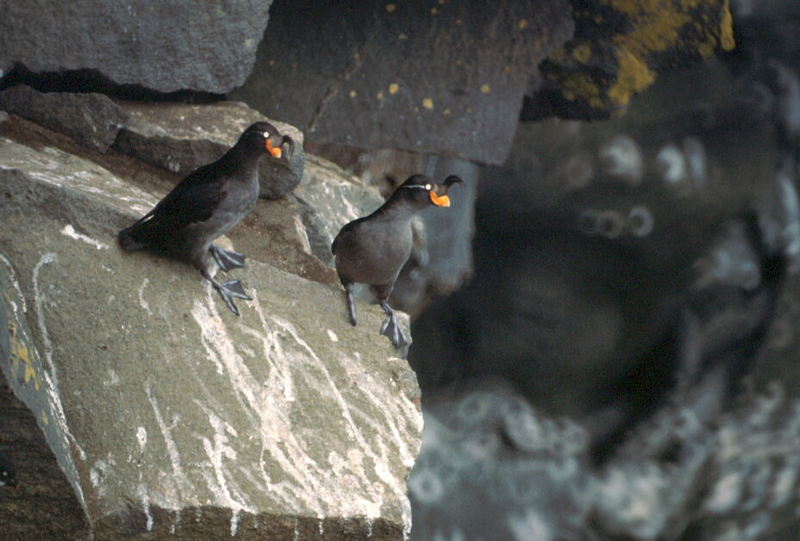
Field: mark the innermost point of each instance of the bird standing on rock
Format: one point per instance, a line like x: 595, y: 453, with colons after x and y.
x: 206, y: 204
x: 372, y: 250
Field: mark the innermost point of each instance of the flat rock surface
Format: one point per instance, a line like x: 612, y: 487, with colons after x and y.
x: 165, y: 410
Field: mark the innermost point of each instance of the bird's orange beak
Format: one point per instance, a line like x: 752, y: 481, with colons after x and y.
x: 275, y: 152
x: 439, y: 200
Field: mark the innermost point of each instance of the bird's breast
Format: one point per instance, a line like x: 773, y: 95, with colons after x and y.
x: 374, y: 253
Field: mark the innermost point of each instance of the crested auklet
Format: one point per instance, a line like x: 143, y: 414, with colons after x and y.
x: 206, y: 204
x: 372, y: 250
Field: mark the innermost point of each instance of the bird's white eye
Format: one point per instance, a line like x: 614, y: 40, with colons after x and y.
x: 266, y: 135
x: 427, y: 186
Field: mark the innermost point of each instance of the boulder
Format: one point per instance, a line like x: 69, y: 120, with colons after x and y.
x: 91, y: 119
x: 165, y: 47
x: 168, y: 414
x: 182, y: 137
x: 445, y: 78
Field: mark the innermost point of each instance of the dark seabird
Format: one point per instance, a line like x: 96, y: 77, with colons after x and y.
x: 372, y: 250
x: 206, y: 204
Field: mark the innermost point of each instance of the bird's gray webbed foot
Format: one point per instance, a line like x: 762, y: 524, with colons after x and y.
x: 391, y: 328
x: 227, y: 259
x: 228, y: 291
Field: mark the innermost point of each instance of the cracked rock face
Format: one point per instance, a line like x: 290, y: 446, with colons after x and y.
x: 168, y: 414
x: 167, y: 46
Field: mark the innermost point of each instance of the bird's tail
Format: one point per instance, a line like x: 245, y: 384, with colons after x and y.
x: 126, y: 240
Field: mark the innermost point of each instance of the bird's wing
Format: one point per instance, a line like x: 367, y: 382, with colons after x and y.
x: 193, y: 200
x: 345, y: 232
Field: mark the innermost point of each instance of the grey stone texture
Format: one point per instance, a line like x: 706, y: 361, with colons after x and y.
x: 445, y: 78
x: 92, y: 119
x: 164, y: 46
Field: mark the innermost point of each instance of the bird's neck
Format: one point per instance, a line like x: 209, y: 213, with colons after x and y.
x: 395, y: 209
x: 241, y: 157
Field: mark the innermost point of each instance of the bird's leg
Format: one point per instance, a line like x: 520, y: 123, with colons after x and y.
x: 228, y: 290
x: 350, y: 302
x: 391, y: 327
x: 227, y: 259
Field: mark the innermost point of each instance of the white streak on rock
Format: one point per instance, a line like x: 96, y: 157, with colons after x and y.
x: 332, y: 336
x: 166, y: 432
x: 69, y: 231
x: 141, y: 436
x: 235, y: 521
x: 143, y: 303
x: 13, y: 277
x: 113, y: 378
x: 146, y: 507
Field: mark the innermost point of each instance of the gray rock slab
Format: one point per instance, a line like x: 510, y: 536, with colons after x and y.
x: 182, y: 137
x: 446, y: 78
x: 91, y: 119
x: 170, y: 415
x: 166, y: 46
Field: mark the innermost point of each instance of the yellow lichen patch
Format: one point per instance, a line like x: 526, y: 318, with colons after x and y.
x: 582, y: 53
x: 655, y: 33
x: 390, y: 8
x: 579, y: 86
x: 522, y: 24
x: 427, y: 103
x: 394, y: 88
x: 22, y: 354
x: 633, y: 76
x: 45, y: 418
x: 379, y: 95
x: 447, y: 112
x: 486, y: 89
x: 434, y: 11
x: 403, y: 36
x: 353, y: 94
x: 726, y: 35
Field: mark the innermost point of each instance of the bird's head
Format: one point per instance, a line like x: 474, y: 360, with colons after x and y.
x: 422, y: 189
x: 266, y: 137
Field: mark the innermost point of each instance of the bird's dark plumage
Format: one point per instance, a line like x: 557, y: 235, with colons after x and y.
x: 373, y: 249
x: 206, y: 204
